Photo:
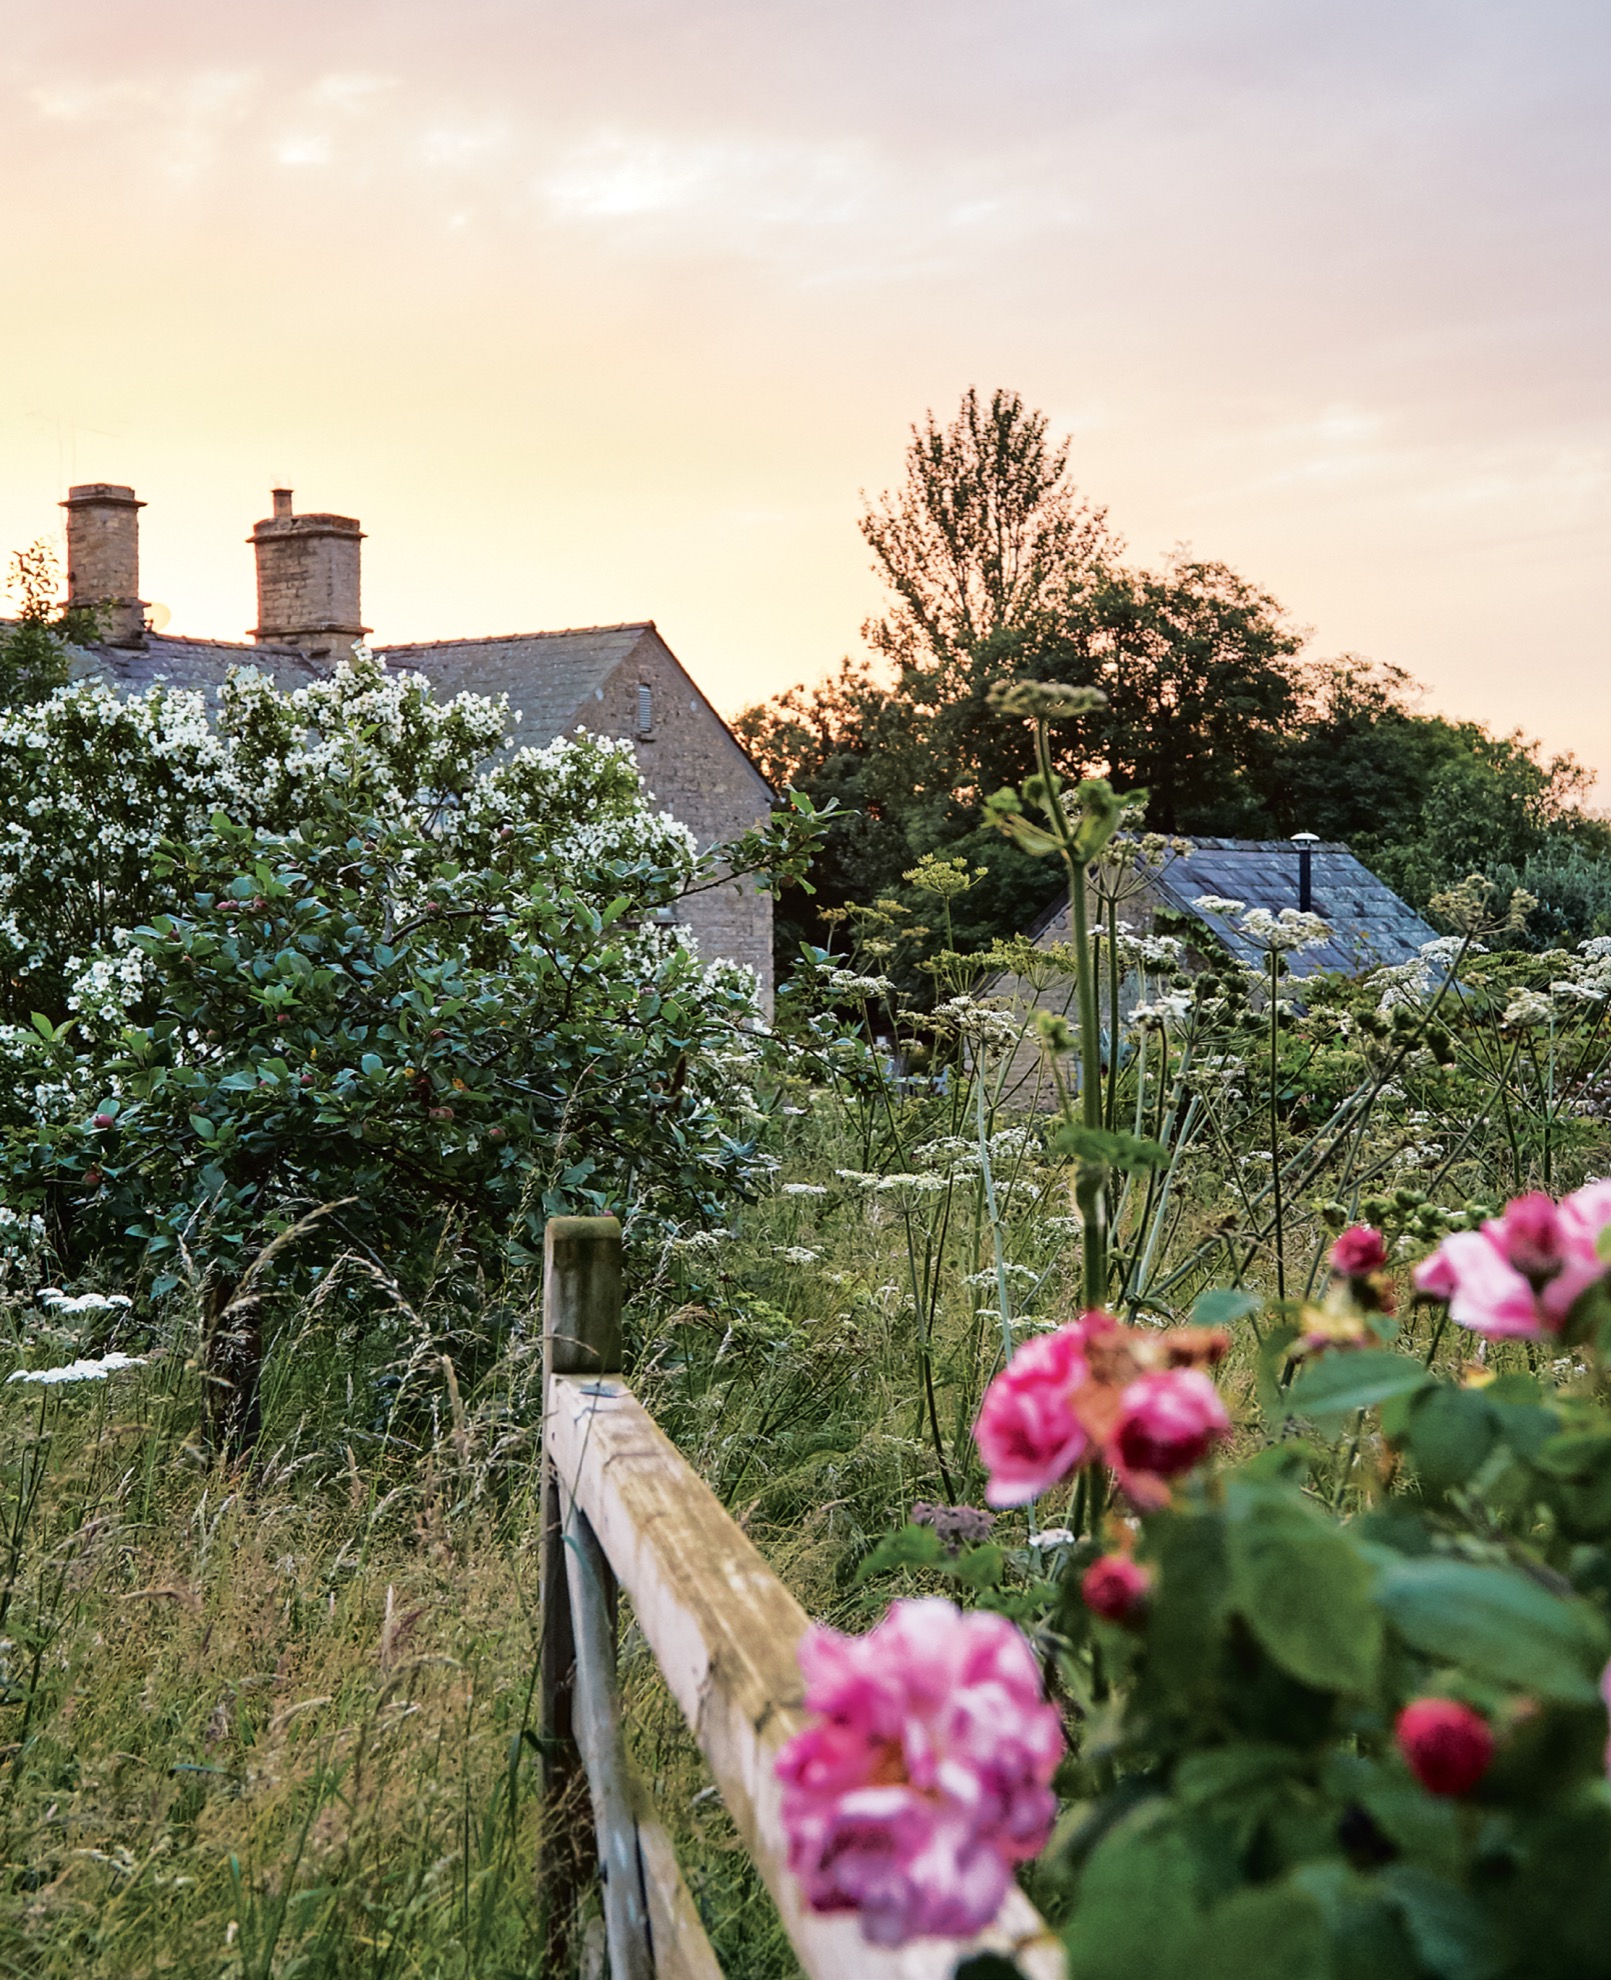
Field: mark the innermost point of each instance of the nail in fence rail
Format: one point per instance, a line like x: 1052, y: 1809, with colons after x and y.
x: 724, y: 1631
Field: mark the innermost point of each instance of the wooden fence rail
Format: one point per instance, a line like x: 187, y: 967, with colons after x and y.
x: 622, y: 1510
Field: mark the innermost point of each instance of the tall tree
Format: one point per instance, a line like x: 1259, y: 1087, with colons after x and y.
x: 997, y: 566
x: 977, y: 544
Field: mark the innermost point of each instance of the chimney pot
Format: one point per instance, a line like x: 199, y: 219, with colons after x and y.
x: 282, y: 501
x: 103, y: 558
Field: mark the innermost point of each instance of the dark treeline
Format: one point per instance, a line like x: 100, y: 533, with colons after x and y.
x: 997, y: 566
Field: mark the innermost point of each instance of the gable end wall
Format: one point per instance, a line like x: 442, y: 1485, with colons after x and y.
x: 697, y: 772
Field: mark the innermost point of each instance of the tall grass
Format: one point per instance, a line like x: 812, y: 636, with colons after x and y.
x: 280, y: 1722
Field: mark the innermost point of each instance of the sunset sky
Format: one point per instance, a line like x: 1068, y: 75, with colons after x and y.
x: 609, y: 309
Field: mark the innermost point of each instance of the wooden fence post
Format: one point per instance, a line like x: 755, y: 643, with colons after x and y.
x: 581, y: 1336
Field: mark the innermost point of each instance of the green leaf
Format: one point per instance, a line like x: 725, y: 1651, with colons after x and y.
x: 1452, y: 1937
x: 913, y: 1546
x: 1276, y: 1933
x: 1224, y: 1306
x: 1449, y: 1434
x: 1118, y: 1149
x: 1303, y: 1588
x: 1496, y: 1623
x: 981, y: 1567
x: 1138, y: 1916
x: 371, y: 1063
x: 204, y: 1127
x: 1354, y: 1378
x: 1189, y: 1608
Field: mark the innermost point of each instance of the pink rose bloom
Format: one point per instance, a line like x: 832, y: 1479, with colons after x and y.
x: 1435, y: 1276
x: 1359, y: 1252
x: 1027, y: 1432
x: 927, y: 1775
x: 1116, y: 1588
x: 1521, y: 1274
x: 1168, y: 1422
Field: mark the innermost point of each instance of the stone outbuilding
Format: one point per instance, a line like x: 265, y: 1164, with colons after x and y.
x: 1369, y: 924
x: 622, y: 681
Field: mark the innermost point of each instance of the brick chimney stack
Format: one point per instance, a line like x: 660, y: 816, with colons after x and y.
x: 103, y: 558
x: 307, y: 581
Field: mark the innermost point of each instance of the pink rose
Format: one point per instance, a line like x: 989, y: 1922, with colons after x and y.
x: 1168, y: 1422
x: 1446, y: 1745
x: 1359, y: 1252
x: 1521, y: 1274
x: 1532, y: 1236
x: 1027, y: 1432
x: 1116, y: 1588
x: 927, y: 1774
x: 1435, y: 1276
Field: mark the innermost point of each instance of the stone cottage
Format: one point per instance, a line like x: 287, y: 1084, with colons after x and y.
x: 621, y: 681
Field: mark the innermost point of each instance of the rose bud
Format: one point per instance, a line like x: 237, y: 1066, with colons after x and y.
x: 1116, y: 1588
x: 93, y: 1178
x: 1359, y: 1252
x: 1446, y: 1746
x: 104, y: 1121
x: 441, y: 1113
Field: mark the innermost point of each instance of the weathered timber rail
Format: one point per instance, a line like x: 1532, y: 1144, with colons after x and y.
x: 623, y: 1511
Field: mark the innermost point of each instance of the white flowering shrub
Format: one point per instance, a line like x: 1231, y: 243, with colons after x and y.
x: 92, y: 785
x: 323, y: 953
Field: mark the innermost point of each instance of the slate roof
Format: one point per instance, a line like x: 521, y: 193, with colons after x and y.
x: 547, y: 676
x: 186, y: 663
x: 1370, y: 924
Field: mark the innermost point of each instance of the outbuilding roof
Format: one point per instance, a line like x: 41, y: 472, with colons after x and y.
x: 1369, y: 923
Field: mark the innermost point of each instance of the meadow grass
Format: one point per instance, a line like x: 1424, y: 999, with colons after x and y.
x: 280, y: 1721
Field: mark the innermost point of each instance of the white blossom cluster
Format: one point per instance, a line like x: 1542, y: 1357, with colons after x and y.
x: 985, y: 1022
x: 846, y: 985
x: 22, y: 1239
x: 1526, y: 1010
x: 1148, y: 951
x: 92, y: 783
x: 90, y: 1302
x: 1587, y: 981
x: 1285, y: 933
x: 95, y: 1370
x: 1006, y: 1146
x: 1170, y: 1007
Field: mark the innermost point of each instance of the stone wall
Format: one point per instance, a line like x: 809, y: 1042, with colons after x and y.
x: 696, y: 771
